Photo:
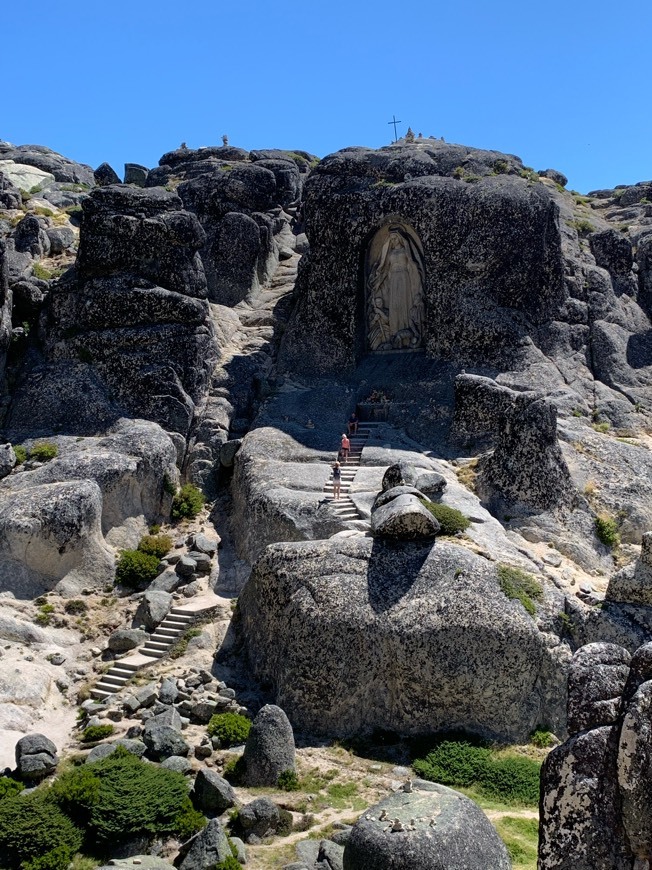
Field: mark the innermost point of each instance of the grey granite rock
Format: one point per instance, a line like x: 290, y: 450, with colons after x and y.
x: 212, y: 794
x: 153, y: 608
x: 269, y: 750
x: 206, y: 849
x: 36, y: 757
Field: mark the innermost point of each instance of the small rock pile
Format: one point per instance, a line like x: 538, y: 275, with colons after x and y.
x: 182, y: 569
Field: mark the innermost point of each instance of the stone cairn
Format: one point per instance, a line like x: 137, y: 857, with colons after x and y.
x: 596, y: 789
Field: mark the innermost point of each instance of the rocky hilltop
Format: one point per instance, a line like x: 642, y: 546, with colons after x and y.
x: 201, y: 333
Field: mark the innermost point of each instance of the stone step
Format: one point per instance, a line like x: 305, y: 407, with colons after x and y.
x: 115, y: 679
x: 180, y: 611
x: 109, y: 688
x: 162, y: 638
x: 125, y: 666
x: 152, y: 653
x: 100, y: 694
x: 157, y: 644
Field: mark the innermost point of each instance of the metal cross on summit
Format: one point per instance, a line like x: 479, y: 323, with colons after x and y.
x: 395, y: 122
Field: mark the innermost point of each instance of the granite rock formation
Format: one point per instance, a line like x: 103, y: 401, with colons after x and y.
x: 438, y: 829
x: 353, y: 634
x: 595, y: 793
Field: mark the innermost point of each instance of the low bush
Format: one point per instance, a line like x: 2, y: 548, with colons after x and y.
x: 9, y: 787
x: 606, y: 529
x: 229, y: 863
x: 508, y: 777
x: 155, y: 545
x: 542, y: 738
x: 289, y: 781
x: 230, y: 728
x: 135, y: 569
x: 43, y: 451
x: 75, y: 606
x: 96, y: 732
x: 187, y: 503
x: 451, y: 520
x: 21, y: 454
x: 35, y: 833
x: 520, y: 586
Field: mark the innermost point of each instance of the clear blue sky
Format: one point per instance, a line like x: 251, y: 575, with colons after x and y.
x: 561, y: 84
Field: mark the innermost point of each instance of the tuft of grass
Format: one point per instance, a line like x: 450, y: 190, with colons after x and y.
x: 20, y: 453
x: 521, y: 837
x: 289, y: 781
x: 180, y: 647
x: 520, y: 586
x: 606, y: 528
x: 451, y: 520
x: 96, y: 732
x: 467, y: 474
x: 605, y: 426
x: 43, y: 451
x: 41, y: 272
x: 582, y: 225
x: 542, y: 738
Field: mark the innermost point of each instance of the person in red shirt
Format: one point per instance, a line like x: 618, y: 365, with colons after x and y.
x: 344, y: 448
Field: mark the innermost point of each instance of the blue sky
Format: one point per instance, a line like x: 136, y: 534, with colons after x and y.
x: 561, y: 84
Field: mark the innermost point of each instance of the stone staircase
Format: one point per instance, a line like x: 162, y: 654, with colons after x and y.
x: 178, y: 620
x: 344, y: 507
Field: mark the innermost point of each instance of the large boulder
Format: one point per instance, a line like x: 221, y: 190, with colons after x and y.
x: 431, y: 828
x: 212, y: 794
x: 423, y: 636
x: 403, y: 518
x: 269, y: 750
x: 633, y: 583
x: 206, y: 849
x: 36, y: 757
x: 153, y: 608
x: 48, y: 162
x: 124, y: 639
x: 163, y: 739
x: 596, y: 680
x: 259, y: 819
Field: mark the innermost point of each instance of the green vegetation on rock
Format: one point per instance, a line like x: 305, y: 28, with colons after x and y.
x: 136, y: 569
x: 451, y: 520
x: 606, y: 528
x: 155, y: 545
x: 521, y: 837
x: 230, y: 728
x: 20, y: 453
x: 187, y: 503
x: 521, y: 586
x: 43, y: 451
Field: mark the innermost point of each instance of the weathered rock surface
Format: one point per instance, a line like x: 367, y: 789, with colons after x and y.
x: 206, y: 849
x: 212, y: 793
x: 595, y: 794
x: 449, y: 831
x: 633, y: 584
x: 61, y: 168
x: 36, y: 757
x: 259, y: 819
x: 403, y: 518
x: 124, y: 639
x: 153, y: 608
x: 423, y: 633
x: 269, y: 750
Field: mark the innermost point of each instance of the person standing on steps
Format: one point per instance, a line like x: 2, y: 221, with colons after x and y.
x: 353, y: 424
x: 345, y: 447
x: 337, y: 480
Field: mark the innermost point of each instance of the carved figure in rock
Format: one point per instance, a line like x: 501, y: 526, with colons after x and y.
x: 395, y: 281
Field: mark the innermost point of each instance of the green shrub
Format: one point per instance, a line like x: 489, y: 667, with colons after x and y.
x: 44, y: 615
x: 135, y: 569
x: 187, y: 502
x: 155, y: 545
x: 520, y: 586
x: 229, y: 863
x: 288, y: 781
x: 41, y: 272
x: 75, y: 606
x: 154, y: 529
x: 231, y: 728
x: 9, y: 787
x: 43, y: 451
x: 120, y: 797
x: 606, y: 529
x: 21, y: 454
x: 35, y: 832
x: 510, y: 778
x: 451, y: 521
x: 542, y: 738
x: 96, y: 732
x: 168, y: 485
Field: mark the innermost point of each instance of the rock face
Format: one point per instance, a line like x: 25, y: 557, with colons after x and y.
x: 206, y: 849
x: 402, y: 516
x: 212, y: 793
x: 127, y: 330
x: 36, y: 757
x: 354, y: 634
x: 269, y: 750
x: 595, y: 791
x: 402, y: 210
x: 633, y: 584
x: 153, y: 609
x: 5, y: 310
x: 449, y: 831
x: 55, y: 520
x: 527, y: 466
x: 60, y: 168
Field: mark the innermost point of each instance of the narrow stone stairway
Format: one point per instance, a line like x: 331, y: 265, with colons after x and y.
x: 344, y: 507
x: 178, y: 620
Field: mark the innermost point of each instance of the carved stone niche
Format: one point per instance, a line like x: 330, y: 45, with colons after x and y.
x: 394, y: 284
